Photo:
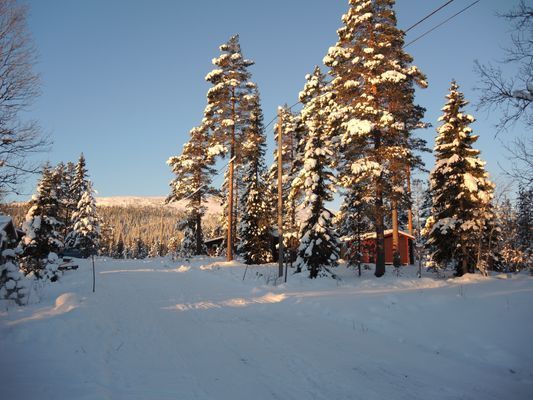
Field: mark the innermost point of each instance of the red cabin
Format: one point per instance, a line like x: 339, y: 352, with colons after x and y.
x: 405, y: 247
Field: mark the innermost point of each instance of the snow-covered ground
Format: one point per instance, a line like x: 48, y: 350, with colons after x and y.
x: 158, y: 329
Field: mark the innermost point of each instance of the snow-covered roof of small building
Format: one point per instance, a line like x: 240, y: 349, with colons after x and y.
x: 7, y: 228
x: 4, y: 220
x: 388, y: 232
x: 214, y: 240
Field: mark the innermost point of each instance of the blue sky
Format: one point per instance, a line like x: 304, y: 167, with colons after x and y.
x: 123, y: 80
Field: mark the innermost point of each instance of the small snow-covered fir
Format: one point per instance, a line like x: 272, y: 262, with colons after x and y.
x: 42, y: 239
x: 85, y: 232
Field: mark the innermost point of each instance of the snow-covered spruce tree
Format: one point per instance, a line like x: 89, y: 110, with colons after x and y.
x: 227, y: 115
x: 319, y: 244
x: 85, y: 234
x: 129, y: 250
x: 461, y: 190
x: 118, y: 249
x: 69, y: 200
x: 509, y: 244
x: 524, y: 221
x: 79, y: 180
x: 156, y: 249
x: 138, y: 250
x: 422, y: 203
x: 42, y: 240
x: 78, y: 186
x: 292, y: 132
x: 194, y: 171
x: 59, y: 178
x: 373, y: 80
x: 173, y: 246
x: 254, y: 226
x: 187, y: 247
x: 106, y: 240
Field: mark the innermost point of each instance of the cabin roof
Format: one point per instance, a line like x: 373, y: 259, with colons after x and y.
x: 388, y: 232
x: 5, y: 220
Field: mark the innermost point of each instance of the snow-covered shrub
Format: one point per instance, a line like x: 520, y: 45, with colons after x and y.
x: 51, y: 270
x: 13, y: 284
x: 188, y: 243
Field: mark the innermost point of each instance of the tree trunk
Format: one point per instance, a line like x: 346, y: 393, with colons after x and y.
x: 379, y: 214
x: 380, y: 230
x: 199, y: 241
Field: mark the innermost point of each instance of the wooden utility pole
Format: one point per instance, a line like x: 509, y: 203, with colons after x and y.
x: 410, y: 211
x: 229, y: 250
x: 396, y: 167
x: 395, y: 227
x: 280, y: 193
x: 94, y: 274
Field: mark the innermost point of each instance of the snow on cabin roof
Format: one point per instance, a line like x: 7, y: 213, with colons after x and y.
x: 215, y: 239
x: 219, y: 238
x: 4, y: 220
x: 388, y: 232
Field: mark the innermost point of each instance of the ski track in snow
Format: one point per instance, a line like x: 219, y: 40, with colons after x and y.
x: 161, y: 330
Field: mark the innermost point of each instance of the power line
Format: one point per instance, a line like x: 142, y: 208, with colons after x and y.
x: 427, y: 16
x: 273, y: 119
x: 411, y: 42
x: 442, y: 23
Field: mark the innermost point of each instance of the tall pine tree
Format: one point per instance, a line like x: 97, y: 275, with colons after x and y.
x: 227, y: 115
x: 373, y: 80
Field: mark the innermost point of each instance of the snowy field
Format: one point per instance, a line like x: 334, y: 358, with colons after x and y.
x: 162, y: 330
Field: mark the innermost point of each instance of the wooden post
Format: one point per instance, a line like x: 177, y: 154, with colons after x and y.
x: 94, y: 274
x: 410, y: 211
x: 395, y: 228
x: 280, y: 193
x: 229, y: 250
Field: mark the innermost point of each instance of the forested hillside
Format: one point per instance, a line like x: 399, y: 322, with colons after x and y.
x: 129, y: 219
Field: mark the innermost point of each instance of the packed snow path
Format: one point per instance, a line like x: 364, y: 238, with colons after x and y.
x: 162, y: 330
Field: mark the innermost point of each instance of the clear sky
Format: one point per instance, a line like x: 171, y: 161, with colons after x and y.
x: 123, y: 80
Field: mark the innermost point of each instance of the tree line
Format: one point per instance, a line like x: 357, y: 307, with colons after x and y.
x: 354, y: 135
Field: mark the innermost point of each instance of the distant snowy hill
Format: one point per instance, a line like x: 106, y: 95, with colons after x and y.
x: 212, y: 204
